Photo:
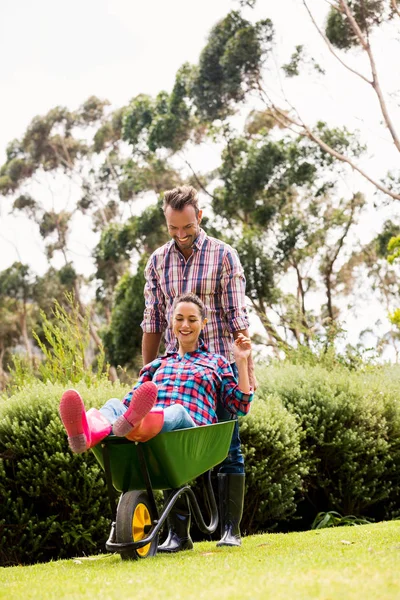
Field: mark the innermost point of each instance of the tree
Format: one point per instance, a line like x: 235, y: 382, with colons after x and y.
x: 288, y: 222
x: 273, y: 190
x: 348, y: 26
x: 52, y: 147
x: 16, y: 292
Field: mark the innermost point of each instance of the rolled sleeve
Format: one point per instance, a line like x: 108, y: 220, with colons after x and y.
x: 233, y: 284
x: 154, y: 311
x: 232, y: 398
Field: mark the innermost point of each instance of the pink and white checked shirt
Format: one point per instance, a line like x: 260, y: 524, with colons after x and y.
x: 214, y: 273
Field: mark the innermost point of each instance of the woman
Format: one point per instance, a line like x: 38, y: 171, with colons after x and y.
x: 175, y: 391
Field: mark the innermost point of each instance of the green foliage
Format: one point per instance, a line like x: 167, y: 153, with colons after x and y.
x: 161, y: 123
x: 367, y: 13
x: 298, y: 58
x: 25, y: 203
x: 156, y: 175
x: 339, y: 139
x: 350, y: 436
x: 53, y: 503
x: 292, y: 69
x: 315, y: 441
x: 334, y: 519
x: 393, y: 247
x: 21, y: 374
x: 110, y: 132
x: 67, y: 343
x: 258, y: 266
x: 123, y: 337
x: 230, y: 64
x: 322, y: 351
x: 275, y: 469
x: 16, y: 282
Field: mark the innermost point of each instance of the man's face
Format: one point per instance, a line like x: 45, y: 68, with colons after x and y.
x: 183, y: 225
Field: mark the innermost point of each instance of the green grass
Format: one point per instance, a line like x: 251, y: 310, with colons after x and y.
x: 361, y: 562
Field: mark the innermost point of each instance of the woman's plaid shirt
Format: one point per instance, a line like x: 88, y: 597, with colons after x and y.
x: 196, y: 380
x: 214, y: 273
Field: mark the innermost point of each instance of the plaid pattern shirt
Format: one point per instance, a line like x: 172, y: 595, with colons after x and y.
x: 214, y: 273
x: 196, y: 380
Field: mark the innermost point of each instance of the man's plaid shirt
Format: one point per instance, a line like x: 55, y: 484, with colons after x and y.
x: 196, y: 380
x: 214, y: 273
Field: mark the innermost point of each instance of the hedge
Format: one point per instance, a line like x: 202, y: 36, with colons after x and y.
x: 350, y: 425
x: 314, y: 441
x: 53, y: 503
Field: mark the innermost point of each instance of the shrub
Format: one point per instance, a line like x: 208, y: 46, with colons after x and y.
x: 350, y: 436
x: 54, y: 504
x: 274, y: 467
x: 332, y: 437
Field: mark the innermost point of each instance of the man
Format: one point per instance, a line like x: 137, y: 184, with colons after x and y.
x: 194, y: 262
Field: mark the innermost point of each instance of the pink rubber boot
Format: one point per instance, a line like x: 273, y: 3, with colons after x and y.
x: 143, y: 400
x: 84, y: 429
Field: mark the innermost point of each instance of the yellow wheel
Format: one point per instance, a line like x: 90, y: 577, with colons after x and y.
x: 134, y: 522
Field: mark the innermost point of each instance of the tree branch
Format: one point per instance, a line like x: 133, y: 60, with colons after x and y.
x: 198, y: 180
x: 270, y: 329
x: 331, y: 48
x: 305, y: 131
x: 339, y: 246
x: 375, y: 80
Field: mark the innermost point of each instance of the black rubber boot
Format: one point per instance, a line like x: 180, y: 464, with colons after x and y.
x: 178, y: 527
x: 231, y: 498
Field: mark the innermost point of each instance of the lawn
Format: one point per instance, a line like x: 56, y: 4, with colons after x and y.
x: 361, y: 562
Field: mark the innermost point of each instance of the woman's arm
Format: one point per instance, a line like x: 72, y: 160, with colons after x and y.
x: 241, y: 351
x: 236, y: 395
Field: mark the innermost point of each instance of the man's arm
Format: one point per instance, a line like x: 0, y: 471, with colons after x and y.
x: 233, y: 284
x: 153, y: 322
x: 150, y: 346
x: 250, y: 363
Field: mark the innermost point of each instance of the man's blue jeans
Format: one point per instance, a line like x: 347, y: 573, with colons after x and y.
x: 175, y: 416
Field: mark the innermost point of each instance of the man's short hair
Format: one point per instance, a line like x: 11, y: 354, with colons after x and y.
x: 179, y: 197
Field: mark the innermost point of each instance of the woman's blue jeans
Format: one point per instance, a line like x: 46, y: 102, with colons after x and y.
x: 175, y: 416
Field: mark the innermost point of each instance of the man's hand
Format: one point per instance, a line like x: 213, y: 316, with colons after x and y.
x: 252, y: 378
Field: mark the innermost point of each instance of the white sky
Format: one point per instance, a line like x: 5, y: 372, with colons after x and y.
x: 55, y: 53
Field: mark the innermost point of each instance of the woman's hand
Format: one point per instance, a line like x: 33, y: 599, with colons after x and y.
x: 241, y: 348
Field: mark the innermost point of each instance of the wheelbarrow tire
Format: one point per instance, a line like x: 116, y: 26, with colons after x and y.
x: 134, y: 522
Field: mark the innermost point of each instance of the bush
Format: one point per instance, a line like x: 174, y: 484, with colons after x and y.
x: 350, y: 426
x: 330, y: 437
x: 274, y: 467
x: 54, y: 504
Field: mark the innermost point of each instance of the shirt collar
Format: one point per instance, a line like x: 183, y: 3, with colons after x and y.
x: 199, y: 241
x: 201, y: 348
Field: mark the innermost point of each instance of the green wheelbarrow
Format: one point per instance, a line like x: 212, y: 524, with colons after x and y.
x: 169, y: 461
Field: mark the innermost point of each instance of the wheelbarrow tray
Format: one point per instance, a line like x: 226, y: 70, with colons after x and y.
x: 173, y: 459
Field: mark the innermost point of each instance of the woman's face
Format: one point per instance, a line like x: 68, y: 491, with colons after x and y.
x: 187, y: 323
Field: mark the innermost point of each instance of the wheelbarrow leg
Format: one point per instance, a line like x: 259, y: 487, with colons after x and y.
x: 179, y: 520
